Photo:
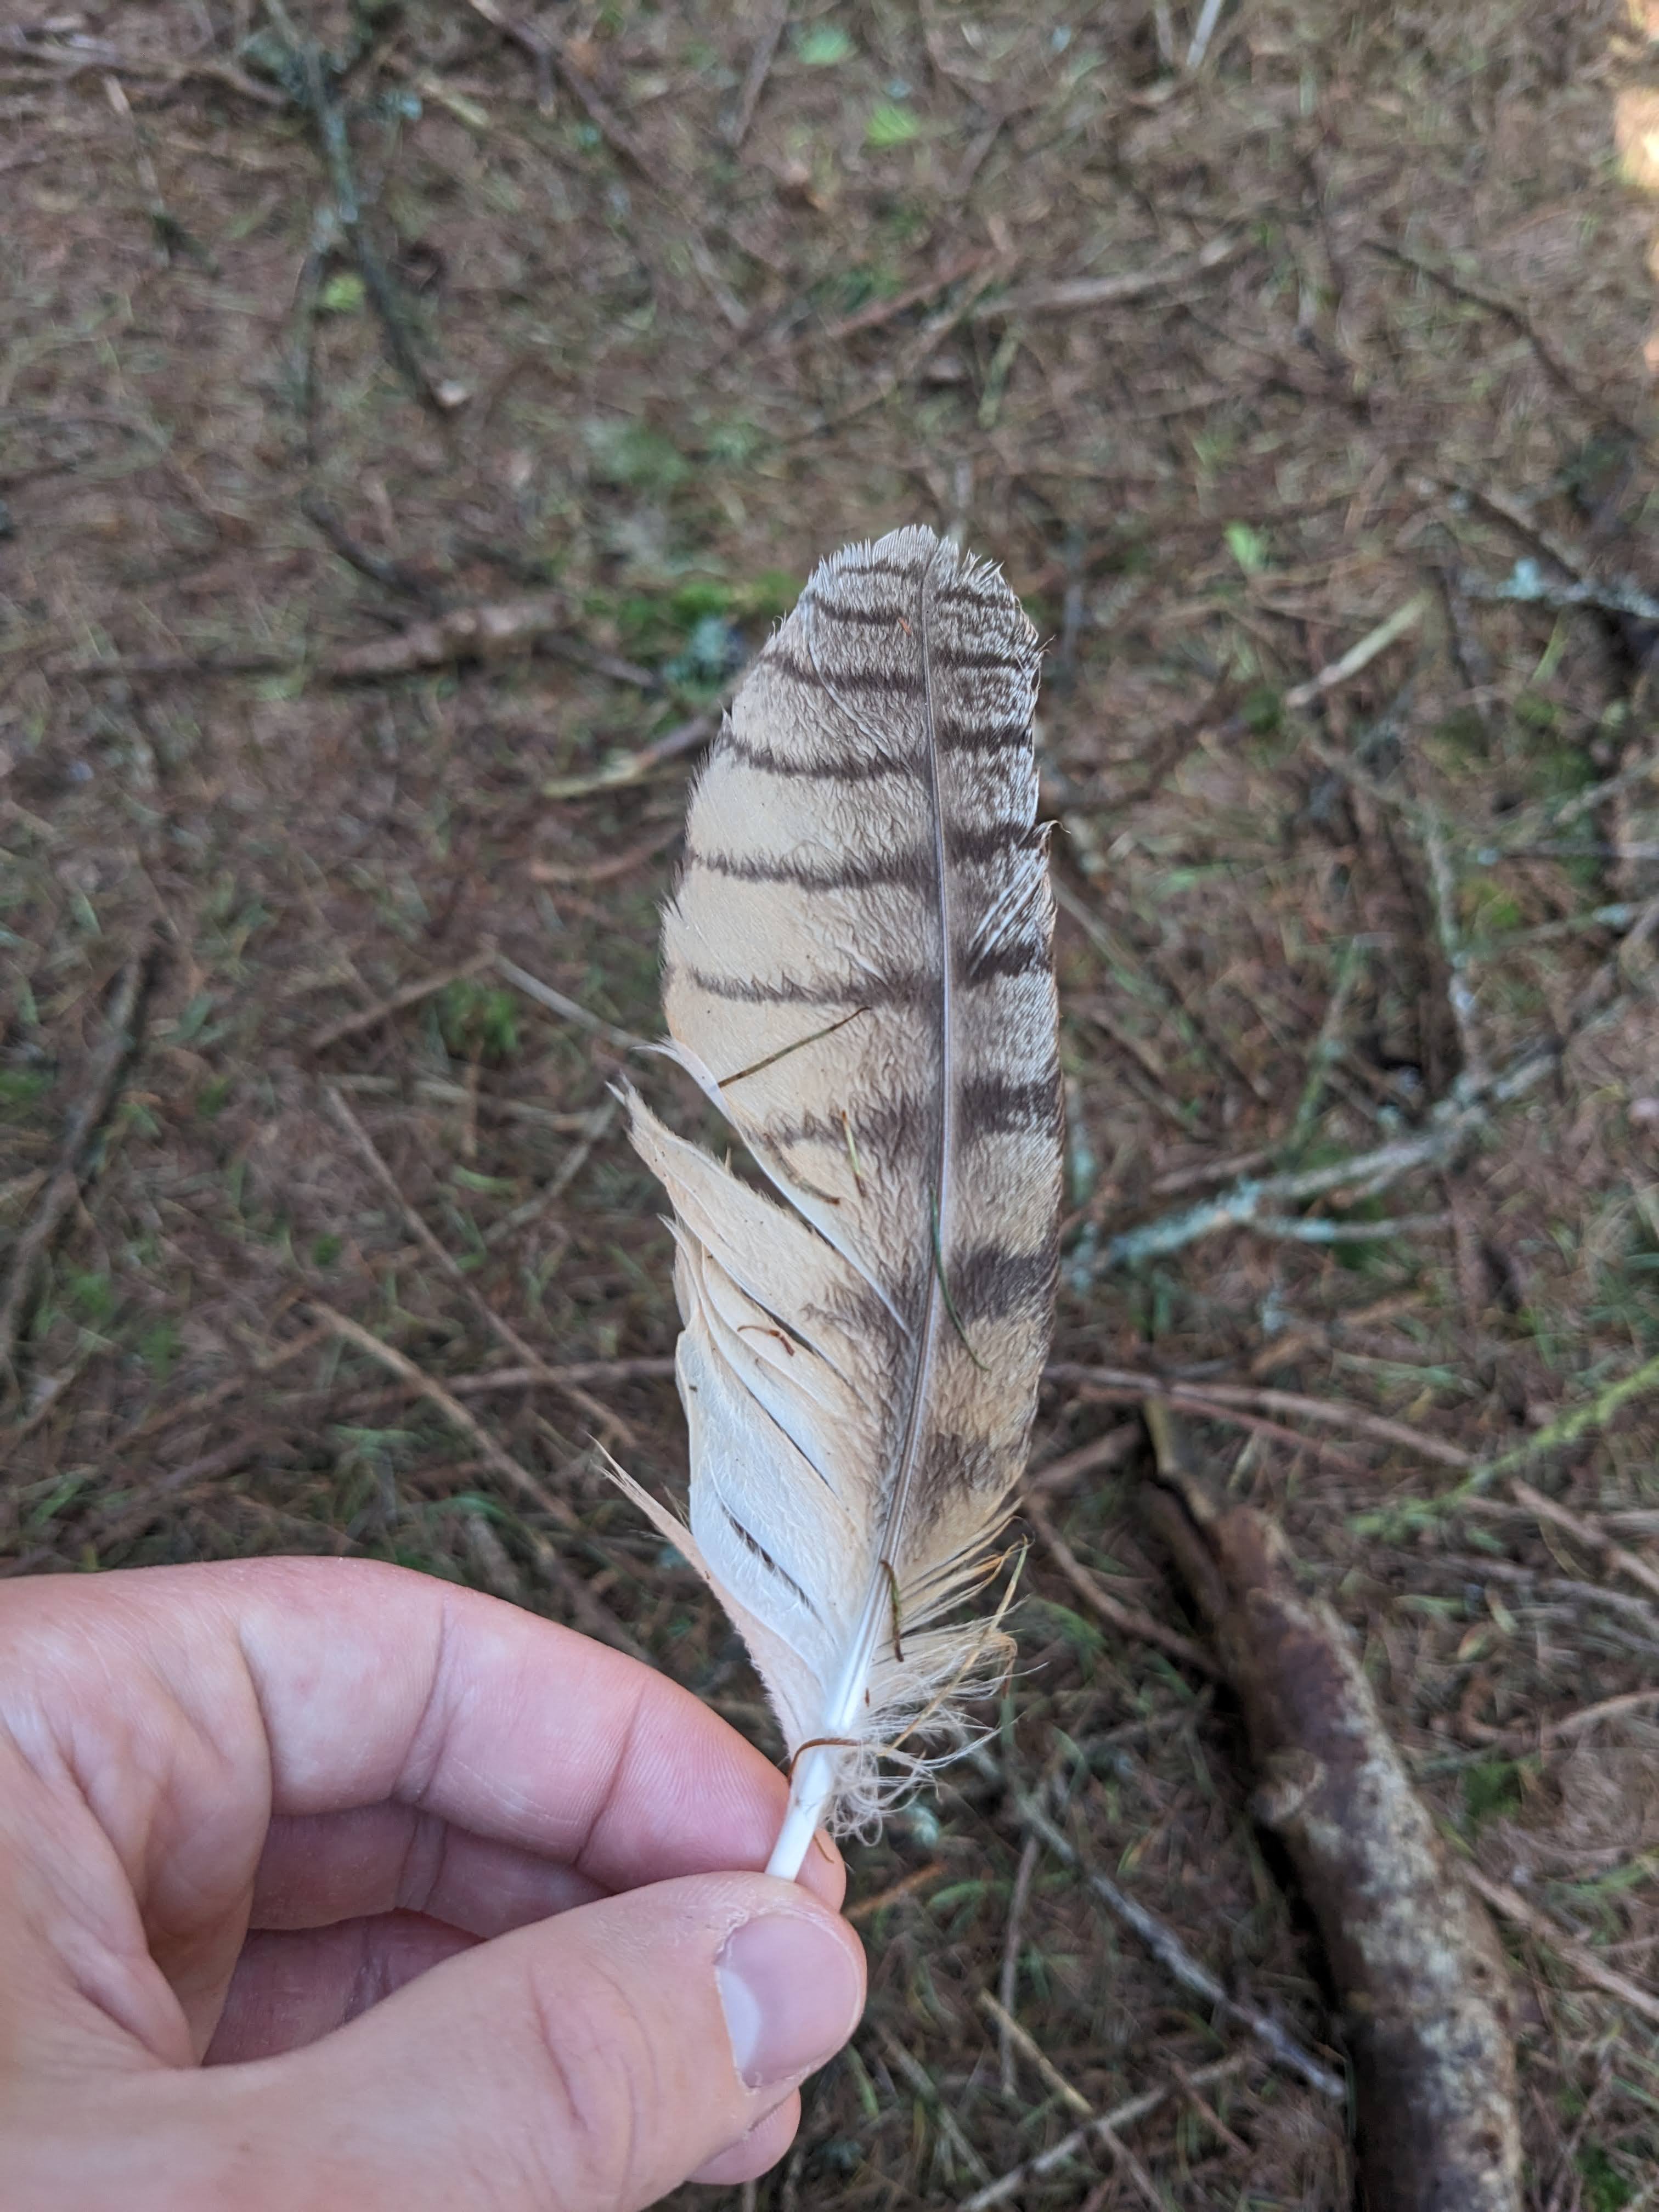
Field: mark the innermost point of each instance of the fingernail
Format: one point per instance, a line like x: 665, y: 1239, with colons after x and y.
x: 791, y: 1995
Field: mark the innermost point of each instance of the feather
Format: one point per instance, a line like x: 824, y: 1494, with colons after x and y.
x: 858, y: 974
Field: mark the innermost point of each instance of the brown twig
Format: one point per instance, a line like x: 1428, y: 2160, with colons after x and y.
x: 906, y: 2064
x: 123, y: 1523
x: 407, y: 995
x: 1554, y: 363
x: 917, y: 1878
x: 1580, y: 1722
x: 879, y: 313
x: 549, y: 55
x: 576, y: 1370
x: 208, y: 1402
x: 1071, y: 293
x: 1629, y: 1564
x: 1160, y: 1940
x: 611, y: 1425
x: 1420, y: 1975
x: 380, y: 568
x: 1583, y: 1961
x: 755, y: 77
x: 567, y: 1010
x: 613, y: 865
x: 1185, y: 1400
x: 1125, y: 2115
x: 590, y: 1612
x: 1008, y: 1979
x: 497, y: 630
x: 86, y: 1117
x: 1127, y: 1620
x: 1103, y: 1451
x: 1016, y: 2038
x: 1334, y: 1413
x: 634, y: 768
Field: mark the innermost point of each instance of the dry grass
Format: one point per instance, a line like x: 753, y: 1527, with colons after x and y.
x: 1389, y: 337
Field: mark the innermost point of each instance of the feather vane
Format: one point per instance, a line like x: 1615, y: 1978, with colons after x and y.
x: 858, y: 972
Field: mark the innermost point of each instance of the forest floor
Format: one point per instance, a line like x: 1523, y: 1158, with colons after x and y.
x: 1302, y: 394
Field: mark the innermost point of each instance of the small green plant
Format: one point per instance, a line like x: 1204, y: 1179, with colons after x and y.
x: 636, y: 456
x: 91, y: 1297
x: 1263, y: 709
x: 21, y: 1087
x: 891, y: 124
x: 1491, y: 1787
x: 1248, y: 546
x: 478, y: 1021
x: 342, y: 294
x: 159, y: 1348
x: 1605, y: 2189
x: 823, y: 45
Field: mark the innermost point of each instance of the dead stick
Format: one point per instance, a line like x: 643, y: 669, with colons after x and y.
x: 1127, y: 1620
x: 103, y: 1074
x: 1631, y: 1565
x: 1333, y: 1410
x: 1125, y: 2115
x: 760, y: 68
x: 1421, y: 1975
x: 597, y: 1619
x: 610, y: 1424
x: 408, y: 995
x: 1165, y: 1945
x: 1579, y: 1956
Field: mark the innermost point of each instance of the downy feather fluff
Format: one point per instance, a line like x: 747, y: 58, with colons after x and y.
x: 858, y: 972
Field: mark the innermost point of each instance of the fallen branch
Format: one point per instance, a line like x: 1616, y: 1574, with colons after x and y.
x: 497, y: 629
x: 1550, y: 359
x: 567, y: 1010
x: 1631, y: 1565
x: 1525, y: 585
x: 1421, y: 1978
x: 1361, y: 655
x: 311, y: 78
x: 754, y: 80
x: 634, y: 768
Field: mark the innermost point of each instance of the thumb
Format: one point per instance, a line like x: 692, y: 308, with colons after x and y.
x: 588, y: 2064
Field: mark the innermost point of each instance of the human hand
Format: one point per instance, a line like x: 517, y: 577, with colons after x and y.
x: 329, y: 1887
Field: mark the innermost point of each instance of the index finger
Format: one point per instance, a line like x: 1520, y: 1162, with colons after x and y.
x: 372, y: 1683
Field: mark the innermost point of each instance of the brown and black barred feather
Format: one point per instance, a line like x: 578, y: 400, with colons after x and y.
x: 857, y: 971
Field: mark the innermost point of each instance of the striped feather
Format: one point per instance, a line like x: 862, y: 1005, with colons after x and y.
x: 858, y: 971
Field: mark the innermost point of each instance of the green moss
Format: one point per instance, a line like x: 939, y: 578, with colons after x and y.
x: 1491, y: 1787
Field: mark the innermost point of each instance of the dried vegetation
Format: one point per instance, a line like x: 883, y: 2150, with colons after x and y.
x: 1301, y: 392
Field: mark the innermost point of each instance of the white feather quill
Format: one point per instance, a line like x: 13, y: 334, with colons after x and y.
x: 858, y: 973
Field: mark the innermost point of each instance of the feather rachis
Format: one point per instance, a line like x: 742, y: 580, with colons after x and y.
x: 857, y: 971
